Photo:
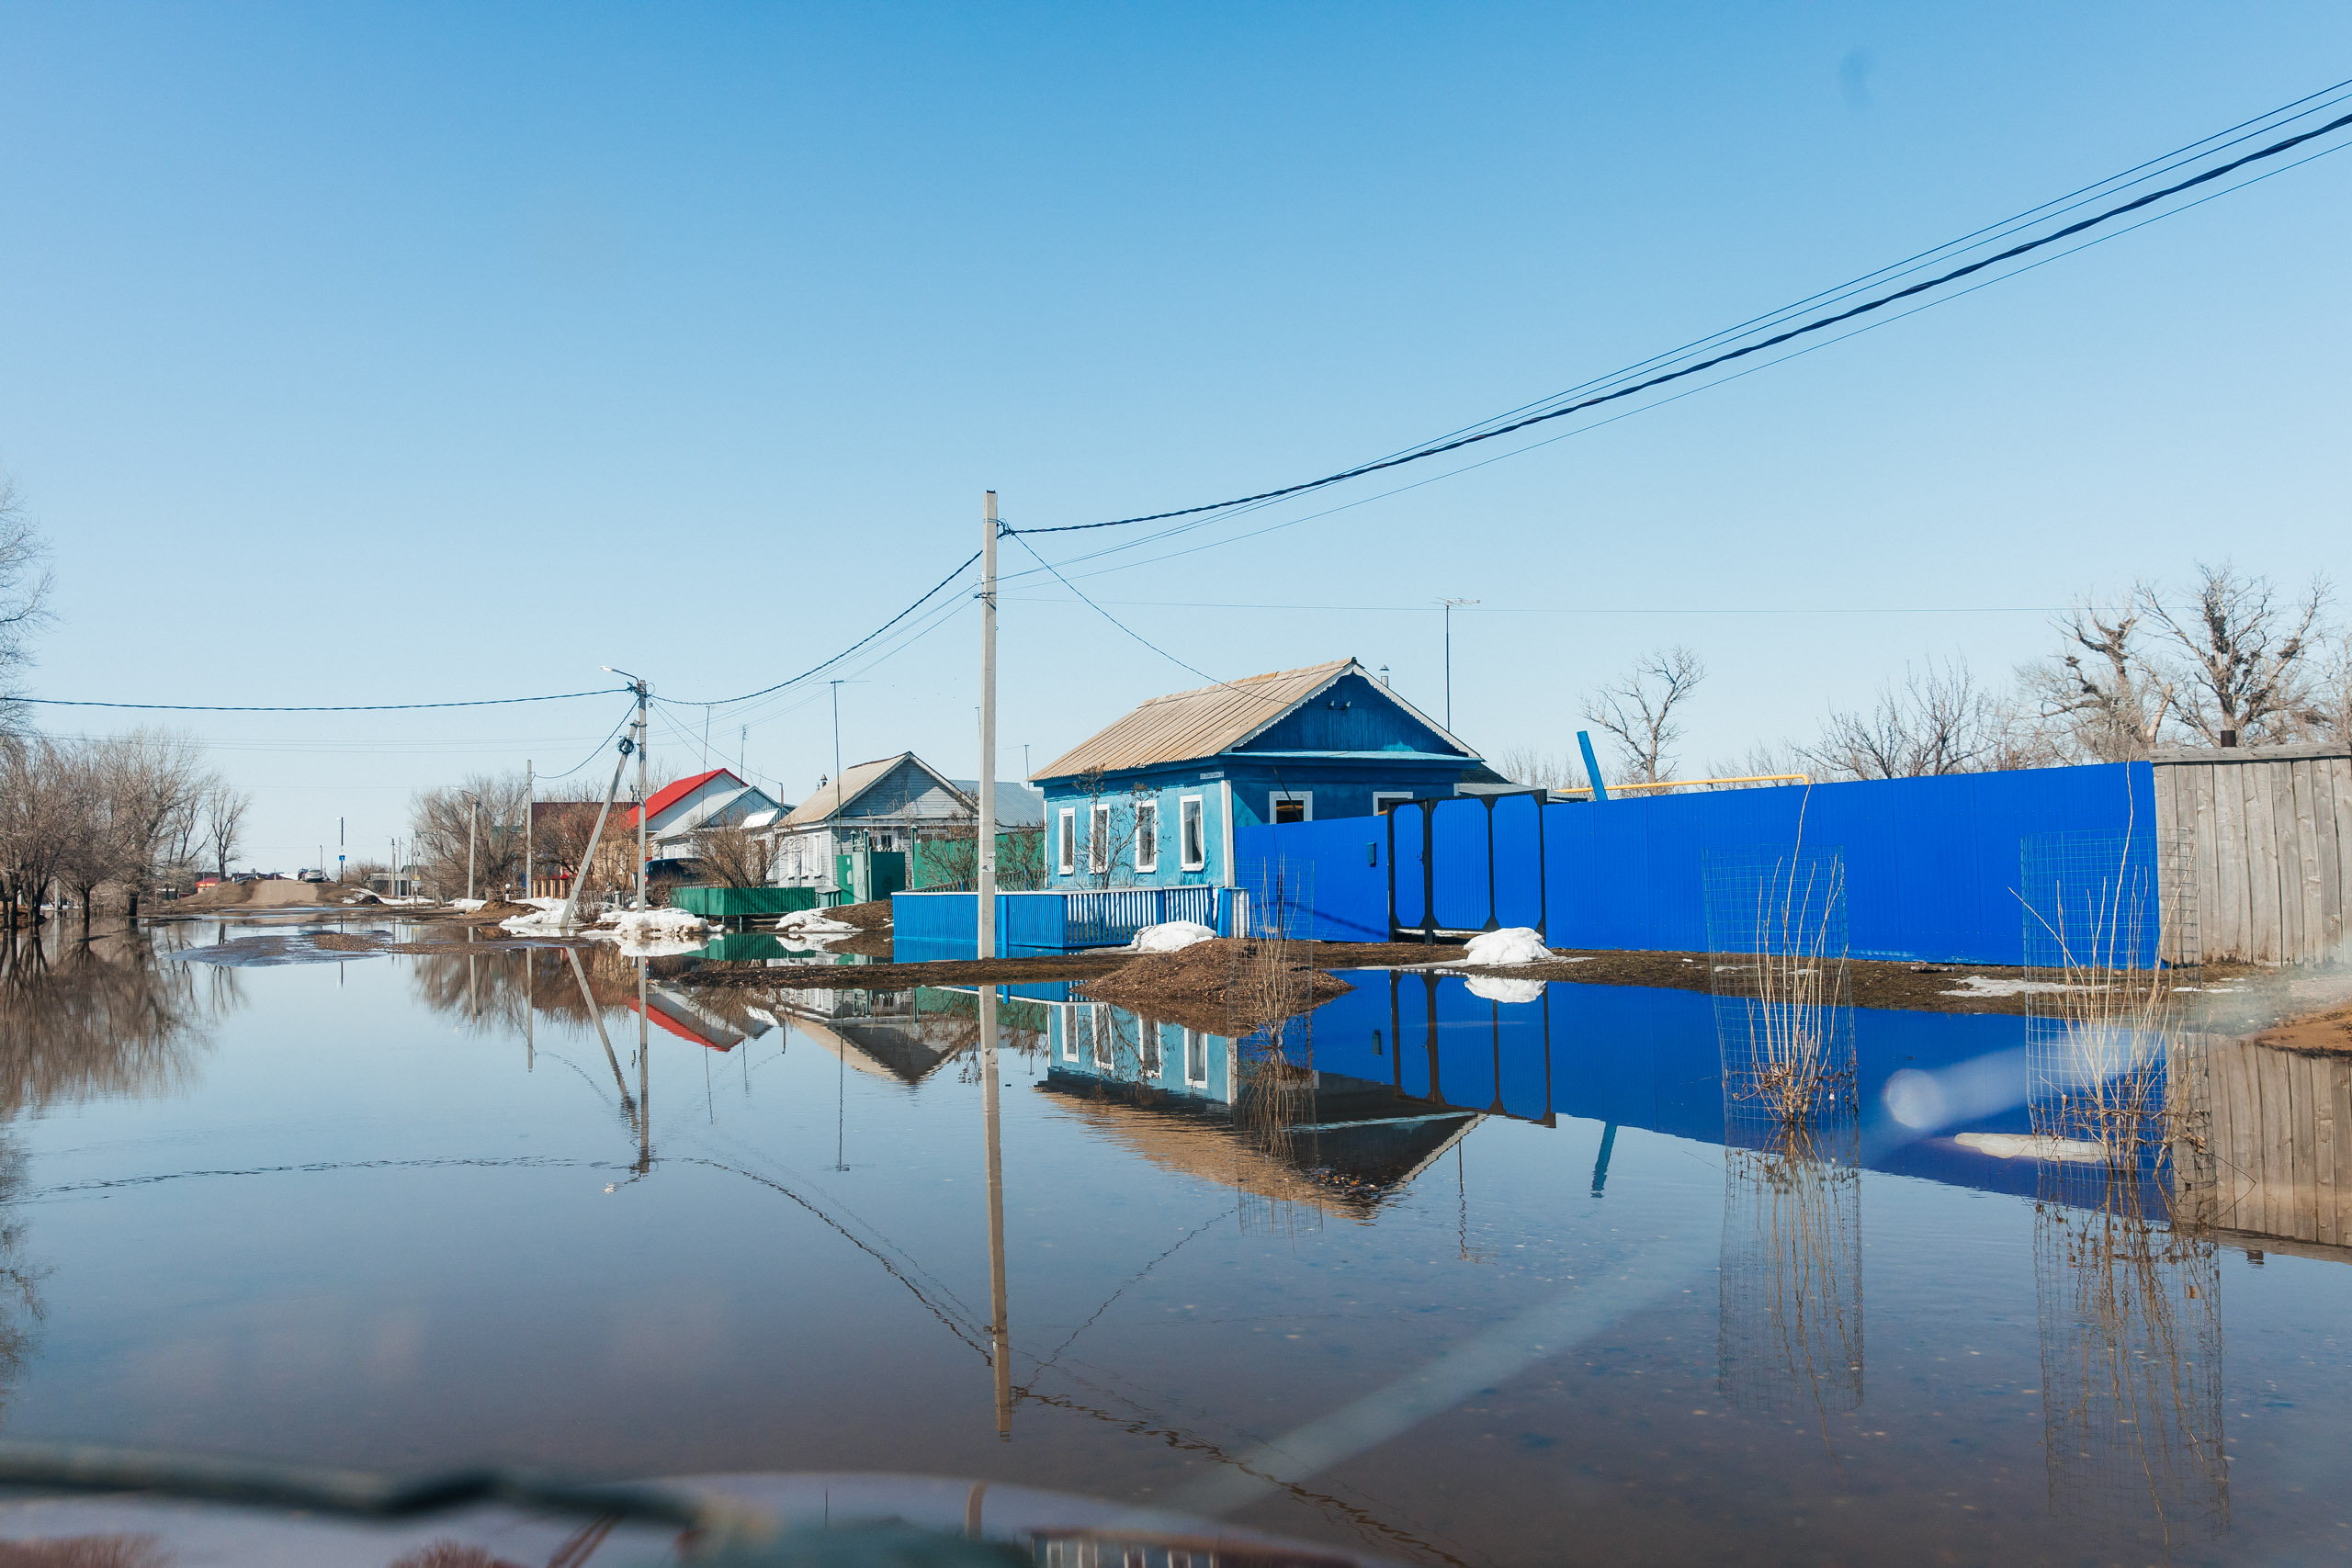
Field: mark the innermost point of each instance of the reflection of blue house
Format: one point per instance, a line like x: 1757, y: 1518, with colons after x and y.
x: 1154, y: 800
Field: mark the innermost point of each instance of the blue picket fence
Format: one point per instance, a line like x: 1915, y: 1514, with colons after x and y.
x: 1931, y: 865
x: 946, y: 925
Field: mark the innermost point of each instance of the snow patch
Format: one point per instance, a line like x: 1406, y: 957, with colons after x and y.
x: 1512, y: 945
x: 2001, y: 985
x: 1171, y: 936
x: 814, y: 924
x: 469, y: 904
x: 1494, y: 989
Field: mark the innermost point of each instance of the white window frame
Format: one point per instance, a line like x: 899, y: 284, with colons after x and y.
x: 1196, y: 1049
x: 1098, y: 838
x: 1305, y: 797
x: 1066, y: 840
x: 1150, y: 837
x: 1381, y: 798
x: 1104, y: 1041
x: 1192, y: 809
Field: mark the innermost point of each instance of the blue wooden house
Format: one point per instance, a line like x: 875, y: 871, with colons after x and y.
x: 1153, y: 800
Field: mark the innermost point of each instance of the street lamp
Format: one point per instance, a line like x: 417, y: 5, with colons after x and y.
x: 1449, y: 604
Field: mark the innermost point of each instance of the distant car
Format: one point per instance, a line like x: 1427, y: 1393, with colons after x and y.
x: 246, y: 876
x: 310, y: 874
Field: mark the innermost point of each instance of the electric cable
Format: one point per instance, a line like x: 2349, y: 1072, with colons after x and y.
x: 793, y: 680
x: 345, y: 707
x: 591, y: 756
x: 1818, y: 324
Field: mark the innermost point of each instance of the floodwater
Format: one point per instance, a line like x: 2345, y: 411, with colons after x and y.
x: 1477, y: 1280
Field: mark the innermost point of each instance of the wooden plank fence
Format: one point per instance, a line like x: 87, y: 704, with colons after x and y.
x: 2278, y: 1163
x: 2271, y: 828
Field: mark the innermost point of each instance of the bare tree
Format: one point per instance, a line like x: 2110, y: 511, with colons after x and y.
x: 2327, y: 714
x: 37, y: 821
x: 733, y: 856
x: 24, y: 600
x: 562, y: 820
x: 2098, y: 699
x: 1540, y: 770
x: 1636, y: 709
x: 1937, y: 721
x: 2241, y: 655
x: 1110, y: 823
x: 482, y: 817
x: 224, y: 821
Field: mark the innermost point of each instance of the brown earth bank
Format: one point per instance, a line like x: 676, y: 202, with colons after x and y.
x: 2321, y: 1034
x: 1223, y: 987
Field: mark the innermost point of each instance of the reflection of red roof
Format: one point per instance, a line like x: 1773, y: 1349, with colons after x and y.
x: 680, y: 1030
x: 669, y: 795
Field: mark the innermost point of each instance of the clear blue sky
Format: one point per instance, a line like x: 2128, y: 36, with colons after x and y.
x: 392, y: 354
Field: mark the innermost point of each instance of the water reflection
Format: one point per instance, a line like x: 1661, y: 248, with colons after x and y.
x: 1789, y: 1327
x: 1259, y: 1115
x: 82, y: 1020
x: 2131, y: 1356
x: 103, y: 1018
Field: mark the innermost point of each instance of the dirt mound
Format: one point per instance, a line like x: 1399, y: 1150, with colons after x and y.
x: 1225, y: 986
x: 2321, y: 1035
x: 497, y: 910
x: 872, y: 915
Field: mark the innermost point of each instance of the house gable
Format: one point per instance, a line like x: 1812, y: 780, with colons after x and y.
x: 1355, y: 714
x: 908, y: 790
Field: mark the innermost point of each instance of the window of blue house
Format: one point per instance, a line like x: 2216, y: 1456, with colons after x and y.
x: 1146, y: 835
x: 1098, y: 838
x: 1067, y: 838
x: 1195, y: 831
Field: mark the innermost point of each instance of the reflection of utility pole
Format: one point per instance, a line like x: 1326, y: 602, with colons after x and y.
x: 1601, y: 1166
x: 596, y: 1016
x: 1001, y: 1340
x: 530, y: 1016
x: 644, y: 1098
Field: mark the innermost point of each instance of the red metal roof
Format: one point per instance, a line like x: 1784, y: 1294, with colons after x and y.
x: 670, y: 795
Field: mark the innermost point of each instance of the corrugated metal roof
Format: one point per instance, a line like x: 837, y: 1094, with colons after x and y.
x: 855, y: 780
x: 1185, y: 727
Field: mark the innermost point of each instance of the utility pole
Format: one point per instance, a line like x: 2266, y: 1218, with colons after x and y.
x: 529, y: 793
x: 643, y: 690
x: 1449, y: 604
x: 340, y: 858
x: 473, y: 814
x: 986, y: 881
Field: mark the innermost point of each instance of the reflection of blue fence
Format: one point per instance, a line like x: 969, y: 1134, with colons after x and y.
x: 1931, y: 864
x: 946, y: 925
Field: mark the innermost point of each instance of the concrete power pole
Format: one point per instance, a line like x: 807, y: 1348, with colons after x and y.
x: 986, y: 845
x: 473, y: 813
x: 642, y: 691
x: 528, y: 790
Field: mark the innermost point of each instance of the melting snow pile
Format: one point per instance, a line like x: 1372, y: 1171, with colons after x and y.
x: 653, y: 925
x: 549, y: 917
x: 469, y: 904
x: 1172, y: 936
x: 1494, y: 989
x: 814, y: 925
x: 1512, y: 945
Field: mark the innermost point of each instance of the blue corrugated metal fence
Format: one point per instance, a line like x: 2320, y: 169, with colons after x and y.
x: 1931, y: 864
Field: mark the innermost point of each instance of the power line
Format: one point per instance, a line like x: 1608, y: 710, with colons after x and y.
x: 1818, y: 324
x: 963, y: 566
x: 347, y: 707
